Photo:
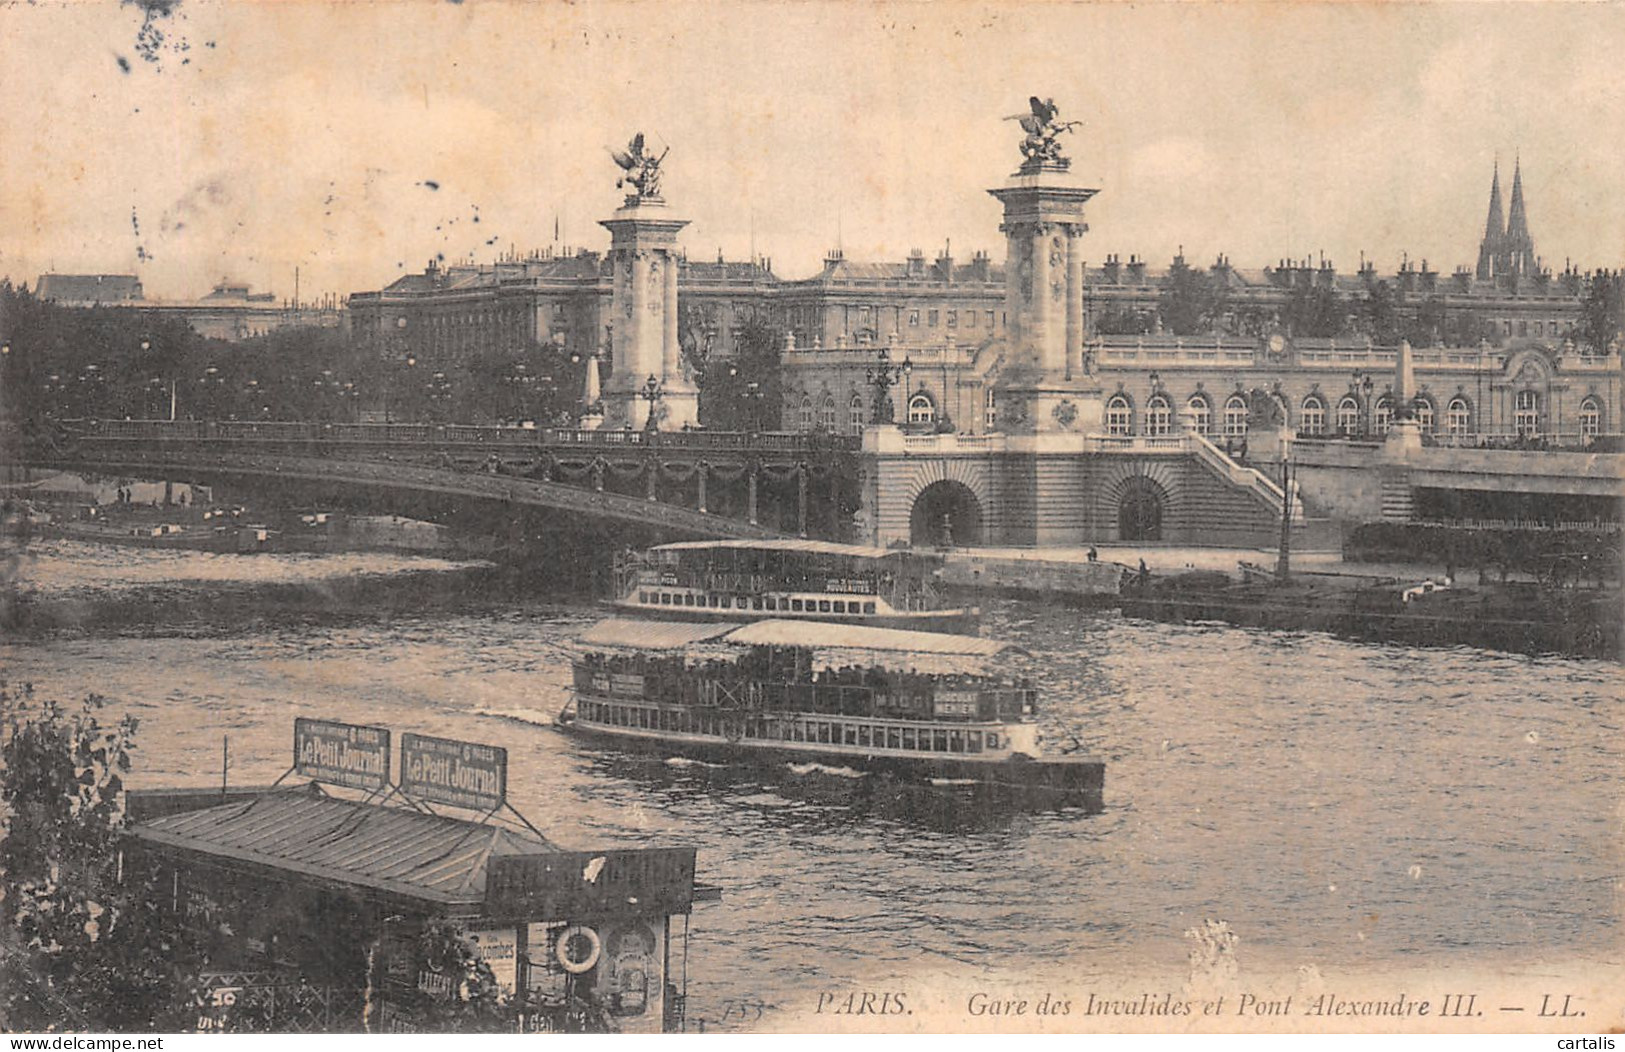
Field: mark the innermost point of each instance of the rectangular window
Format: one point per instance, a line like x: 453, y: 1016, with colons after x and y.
x: 823, y: 606
x: 665, y: 598
x: 970, y: 319
x: 840, y: 606
x: 795, y: 604
x: 643, y: 597
x: 953, y: 319
x: 868, y: 608
x: 849, y: 734
x: 863, y: 735
x: 688, y: 600
x: 772, y: 604
x: 711, y: 601
x: 756, y: 602
x: 908, y: 738
x: 973, y: 741
x: 931, y: 318
x: 914, y: 318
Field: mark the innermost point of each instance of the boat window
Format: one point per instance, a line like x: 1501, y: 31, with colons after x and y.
x: 894, y: 737
x: 868, y: 608
x: 840, y: 607
x: 973, y: 741
x: 795, y: 604
x: 756, y: 602
x: 863, y: 735
x: 823, y: 733
x: 956, y: 741
x: 823, y: 606
x: 908, y: 738
x: 711, y: 601
x: 772, y: 604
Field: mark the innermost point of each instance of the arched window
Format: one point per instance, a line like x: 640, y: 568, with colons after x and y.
x: 1458, y: 418
x: 1158, y: 416
x: 1382, y: 414
x: 805, y: 419
x: 1235, y: 415
x: 826, y: 414
x: 921, y: 410
x: 1119, y: 416
x: 854, y: 414
x: 1526, y: 413
x: 1590, y: 418
x: 1312, y: 420
x: 1424, y: 414
x: 1348, y: 415
x: 1199, y: 413
x: 990, y: 410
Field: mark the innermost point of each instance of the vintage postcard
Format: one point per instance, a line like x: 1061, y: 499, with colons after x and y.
x: 868, y: 517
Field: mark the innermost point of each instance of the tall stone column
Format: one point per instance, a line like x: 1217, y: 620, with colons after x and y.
x: 1074, y: 297
x: 1039, y: 390
x: 643, y: 240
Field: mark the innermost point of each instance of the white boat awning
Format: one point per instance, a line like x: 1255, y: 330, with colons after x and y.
x: 825, y: 635
x: 654, y: 635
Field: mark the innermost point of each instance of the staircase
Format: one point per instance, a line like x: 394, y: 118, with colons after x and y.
x: 1252, y: 480
x: 1398, y: 500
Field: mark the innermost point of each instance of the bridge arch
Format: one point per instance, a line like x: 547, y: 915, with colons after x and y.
x: 946, y: 512
x: 1139, y: 501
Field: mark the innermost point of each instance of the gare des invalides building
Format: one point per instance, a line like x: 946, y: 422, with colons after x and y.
x: 1501, y: 357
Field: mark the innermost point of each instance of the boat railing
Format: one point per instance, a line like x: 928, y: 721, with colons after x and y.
x: 939, y: 701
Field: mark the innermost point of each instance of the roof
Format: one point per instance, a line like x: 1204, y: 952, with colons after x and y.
x: 89, y: 288
x: 814, y: 635
x: 828, y: 635
x: 388, y: 849
x: 855, y: 551
x: 654, y: 635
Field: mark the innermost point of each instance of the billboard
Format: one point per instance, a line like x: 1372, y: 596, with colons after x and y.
x: 341, y: 753
x: 461, y: 774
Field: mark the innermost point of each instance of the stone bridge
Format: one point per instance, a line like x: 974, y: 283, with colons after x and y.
x: 678, y: 484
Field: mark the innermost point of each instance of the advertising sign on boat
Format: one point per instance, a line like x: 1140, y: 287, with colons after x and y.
x: 341, y: 753
x: 457, y: 773
x: 954, y: 703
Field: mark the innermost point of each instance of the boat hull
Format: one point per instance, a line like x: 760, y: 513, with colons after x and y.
x: 1054, y: 781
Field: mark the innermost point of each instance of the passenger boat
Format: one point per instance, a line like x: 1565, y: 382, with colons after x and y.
x: 790, y: 580
x: 923, y: 707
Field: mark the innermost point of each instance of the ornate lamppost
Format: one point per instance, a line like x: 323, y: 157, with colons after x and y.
x: 1360, y: 383
x: 651, y: 393
x: 883, y: 376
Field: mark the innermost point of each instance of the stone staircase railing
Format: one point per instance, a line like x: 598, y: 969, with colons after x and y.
x: 1241, y: 475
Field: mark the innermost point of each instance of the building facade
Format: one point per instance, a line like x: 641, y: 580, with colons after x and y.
x: 229, y: 312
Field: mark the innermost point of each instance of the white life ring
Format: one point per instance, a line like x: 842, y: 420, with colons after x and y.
x: 562, y: 949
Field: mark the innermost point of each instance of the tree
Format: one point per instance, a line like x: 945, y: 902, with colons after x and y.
x: 1315, y: 311
x: 82, y: 950
x: 745, y: 392
x: 1602, y: 312
x: 1192, y: 301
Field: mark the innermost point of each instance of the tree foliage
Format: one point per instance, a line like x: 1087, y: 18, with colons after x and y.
x: 83, y: 951
x: 745, y: 392
x: 1602, y: 312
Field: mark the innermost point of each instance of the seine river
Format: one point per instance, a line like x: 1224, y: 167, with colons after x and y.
x: 1348, y: 806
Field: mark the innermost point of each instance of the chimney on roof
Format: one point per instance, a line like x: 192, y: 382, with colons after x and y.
x: 979, y: 267
x: 945, y: 265
x: 916, y: 264
x: 1113, y: 269
x: 1136, y: 270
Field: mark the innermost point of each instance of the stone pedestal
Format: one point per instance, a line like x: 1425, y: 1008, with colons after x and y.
x: 1403, y: 440
x: 1044, y: 387
x: 644, y: 260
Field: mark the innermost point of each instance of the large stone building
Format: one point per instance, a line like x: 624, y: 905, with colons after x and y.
x: 943, y: 308
x: 229, y: 312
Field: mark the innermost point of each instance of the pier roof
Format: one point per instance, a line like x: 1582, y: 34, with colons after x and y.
x: 394, y: 850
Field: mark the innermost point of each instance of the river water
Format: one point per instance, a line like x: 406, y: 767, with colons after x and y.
x: 1350, y: 806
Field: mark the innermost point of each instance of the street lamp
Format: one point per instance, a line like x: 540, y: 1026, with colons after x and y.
x: 1360, y: 383
x: 651, y: 393
x: 883, y: 376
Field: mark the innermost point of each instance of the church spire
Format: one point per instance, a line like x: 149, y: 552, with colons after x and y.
x: 1519, y: 247
x: 1489, y: 250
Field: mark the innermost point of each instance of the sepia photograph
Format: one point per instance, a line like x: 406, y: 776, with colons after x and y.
x: 837, y: 516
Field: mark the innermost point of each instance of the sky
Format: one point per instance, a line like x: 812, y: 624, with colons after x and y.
x: 356, y: 140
